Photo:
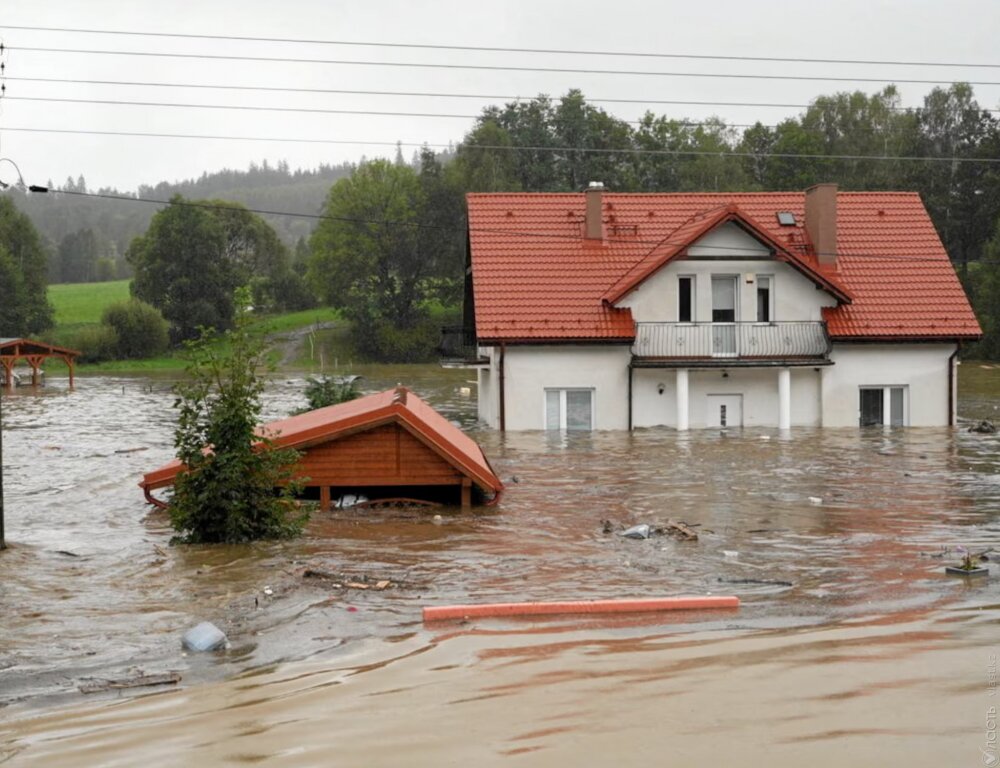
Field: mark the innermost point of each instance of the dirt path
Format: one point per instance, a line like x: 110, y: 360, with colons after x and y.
x: 290, y: 344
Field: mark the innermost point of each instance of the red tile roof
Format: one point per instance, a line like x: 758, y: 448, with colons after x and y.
x: 398, y: 405
x: 535, y: 278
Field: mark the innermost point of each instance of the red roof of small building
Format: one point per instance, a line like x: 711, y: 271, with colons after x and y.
x: 536, y: 279
x: 398, y: 405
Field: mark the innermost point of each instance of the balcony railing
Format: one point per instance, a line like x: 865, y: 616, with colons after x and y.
x: 458, y: 345
x: 722, y: 342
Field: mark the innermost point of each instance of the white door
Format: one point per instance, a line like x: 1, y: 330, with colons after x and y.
x: 725, y: 411
x: 724, y: 315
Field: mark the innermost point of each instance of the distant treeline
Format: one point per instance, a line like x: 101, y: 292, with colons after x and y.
x: 87, y: 237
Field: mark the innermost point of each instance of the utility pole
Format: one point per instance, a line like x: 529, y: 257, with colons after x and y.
x: 3, y: 542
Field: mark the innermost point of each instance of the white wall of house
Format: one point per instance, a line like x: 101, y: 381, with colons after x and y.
x: 487, y: 389
x: 795, y: 296
x: 530, y: 370
x: 758, y: 388
x: 829, y: 396
x: 922, y: 369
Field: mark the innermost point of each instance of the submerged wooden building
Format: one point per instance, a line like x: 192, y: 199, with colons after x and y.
x: 388, y: 445
x: 34, y: 353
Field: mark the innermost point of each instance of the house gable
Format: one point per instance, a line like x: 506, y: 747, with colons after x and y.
x: 714, y: 234
x: 728, y: 251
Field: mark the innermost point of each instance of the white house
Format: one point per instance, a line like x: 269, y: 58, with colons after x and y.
x: 601, y: 310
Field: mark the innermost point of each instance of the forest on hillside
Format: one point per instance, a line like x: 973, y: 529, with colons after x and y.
x: 87, y: 236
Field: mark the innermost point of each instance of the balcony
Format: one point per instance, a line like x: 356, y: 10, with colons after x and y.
x: 458, y: 348
x: 730, y: 344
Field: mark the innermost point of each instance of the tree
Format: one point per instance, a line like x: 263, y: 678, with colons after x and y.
x: 76, y: 258
x: 443, y: 233
x: 372, y: 258
x: 181, y: 270
x: 24, y: 306
x: 237, y: 486
x: 963, y: 198
x: 983, y: 285
x: 578, y: 124
x: 195, y: 254
x: 484, y: 162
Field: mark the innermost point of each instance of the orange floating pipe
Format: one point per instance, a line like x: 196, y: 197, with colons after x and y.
x: 642, y: 605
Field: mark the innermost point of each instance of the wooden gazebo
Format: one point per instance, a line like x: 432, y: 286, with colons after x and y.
x: 384, y: 446
x: 34, y: 353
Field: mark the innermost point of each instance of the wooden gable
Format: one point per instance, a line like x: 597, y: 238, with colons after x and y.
x: 384, y: 455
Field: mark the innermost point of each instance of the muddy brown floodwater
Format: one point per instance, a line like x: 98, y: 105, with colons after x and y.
x: 850, y: 645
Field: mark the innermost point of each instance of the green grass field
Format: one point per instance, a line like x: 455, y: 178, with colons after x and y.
x: 80, y: 305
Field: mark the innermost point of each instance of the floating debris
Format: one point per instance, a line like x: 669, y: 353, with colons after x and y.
x: 678, y: 530
x: 140, y: 680
x: 204, y: 637
x: 637, y: 532
x: 815, y: 500
x: 357, y: 581
x: 761, y: 582
x: 349, y: 500
x: 984, y: 427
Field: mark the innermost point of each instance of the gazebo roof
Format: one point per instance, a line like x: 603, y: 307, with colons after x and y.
x: 21, y: 346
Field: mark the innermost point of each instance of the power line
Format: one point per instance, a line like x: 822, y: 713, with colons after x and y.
x: 499, y: 49
x: 490, y: 67
x: 422, y: 94
x: 486, y: 230
x: 323, y: 111
x: 527, y: 148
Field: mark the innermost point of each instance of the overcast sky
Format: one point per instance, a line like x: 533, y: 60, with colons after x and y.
x: 902, y: 30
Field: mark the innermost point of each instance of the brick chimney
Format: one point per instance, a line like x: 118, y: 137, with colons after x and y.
x: 821, y: 222
x: 593, y: 226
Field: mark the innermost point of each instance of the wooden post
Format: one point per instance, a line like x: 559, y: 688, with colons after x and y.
x: 466, y: 493
x: 7, y: 363
x: 69, y: 364
x: 3, y: 541
x: 324, y: 498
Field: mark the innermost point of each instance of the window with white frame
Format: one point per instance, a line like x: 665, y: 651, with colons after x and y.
x: 569, y: 409
x: 883, y: 406
x: 765, y: 298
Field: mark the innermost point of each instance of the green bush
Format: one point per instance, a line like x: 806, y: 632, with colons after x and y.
x: 96, y: 343
x: 415, y: 344
x: 237, y: 486
x: 330, y: 390
x: 141, y: 329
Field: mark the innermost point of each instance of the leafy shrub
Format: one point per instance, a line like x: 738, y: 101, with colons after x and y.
x: 236, y: 486
x: 415, y: 344
x: 142, y: 331
x: 330, y: 390
x: 96, y: 343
